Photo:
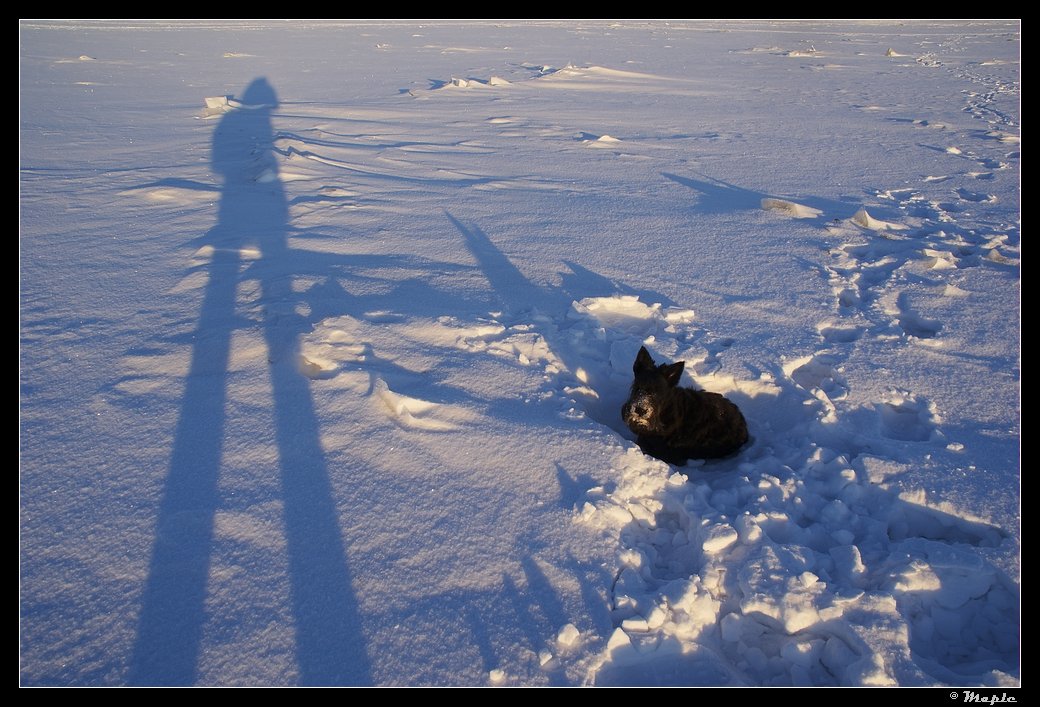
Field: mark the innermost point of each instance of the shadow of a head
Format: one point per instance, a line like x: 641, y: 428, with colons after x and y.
x: 243, y: 146
x: 260, y: 93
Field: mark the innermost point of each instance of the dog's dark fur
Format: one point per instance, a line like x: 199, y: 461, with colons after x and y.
x: 676, y: 424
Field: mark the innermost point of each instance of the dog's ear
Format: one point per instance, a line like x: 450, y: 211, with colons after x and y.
x: 673, y: 372
x: 643, y: 361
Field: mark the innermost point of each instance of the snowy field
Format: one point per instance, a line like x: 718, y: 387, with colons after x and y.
x: 325, y: 329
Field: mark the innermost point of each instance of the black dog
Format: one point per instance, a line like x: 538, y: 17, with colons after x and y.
x: 676, y: 424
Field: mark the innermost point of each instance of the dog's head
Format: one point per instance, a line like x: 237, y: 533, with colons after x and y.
x: 650, y: 389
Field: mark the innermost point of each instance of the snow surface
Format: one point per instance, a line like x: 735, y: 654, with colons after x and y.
x: 325, y: 330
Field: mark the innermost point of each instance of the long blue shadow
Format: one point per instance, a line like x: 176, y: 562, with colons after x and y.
x: 330, y: 645
x: 720, y: 197
x: 170, y: 625
x: 510, y: 285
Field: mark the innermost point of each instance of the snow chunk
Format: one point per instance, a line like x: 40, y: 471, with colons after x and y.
x: 862, y: 218
x: 939, y: 260
x: 603, y: 141
x: 316, y: 369
x: 790, y: 208
x: 996, y: 256
x: 848, y: 563
x: 219, y: 105
x: 802, y: 653
x: 771, y: 585
x: 837, y: 655
x: 216, y: 105
x: 569, y: 635
x: 618, y: 642
x: 699, y: 609
x: 635, y: 625
x: 719, y: 537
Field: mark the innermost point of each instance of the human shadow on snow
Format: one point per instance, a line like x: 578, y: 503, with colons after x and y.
x: 330, y: 643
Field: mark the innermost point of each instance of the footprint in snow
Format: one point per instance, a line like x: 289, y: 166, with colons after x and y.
x: 990, y: 163
x: 909, y: 519
x: 907, y: 418
x: 961, y: 613
x: 819, y: 376
x: 415, y: 414
x: 848, y: 298
x: 839, y: 333
x: 912, y: 323
x: 978, y: 197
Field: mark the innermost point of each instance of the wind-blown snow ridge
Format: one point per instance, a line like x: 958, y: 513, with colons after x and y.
x: 790, y: 208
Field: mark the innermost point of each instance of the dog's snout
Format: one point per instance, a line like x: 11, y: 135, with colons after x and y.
x: 636, y: 409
